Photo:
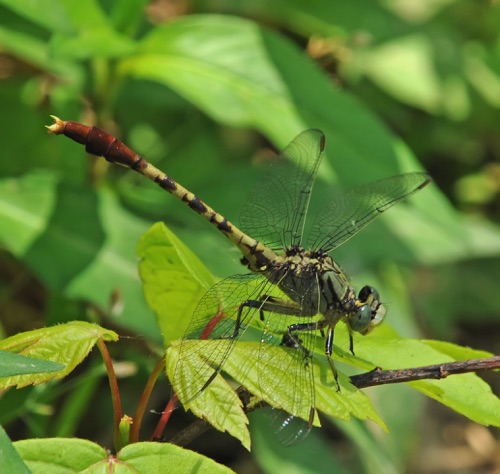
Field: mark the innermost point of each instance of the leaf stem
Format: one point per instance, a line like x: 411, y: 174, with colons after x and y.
x: 171, y: 406
x: 143, y: 401
x: 115, y: 393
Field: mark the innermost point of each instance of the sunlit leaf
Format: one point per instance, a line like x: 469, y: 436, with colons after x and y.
x: 218, y: 403
x: 66, y: 344
x: 174, y: 280
x: 60, y: 455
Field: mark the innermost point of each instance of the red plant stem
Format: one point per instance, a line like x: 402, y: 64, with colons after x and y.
x: 171, y: 405
x: 143, y: 401
x: 115, y: 393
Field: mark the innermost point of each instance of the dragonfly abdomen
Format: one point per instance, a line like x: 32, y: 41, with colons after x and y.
x: 100, y: 143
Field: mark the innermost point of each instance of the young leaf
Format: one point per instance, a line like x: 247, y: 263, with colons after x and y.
x: 66, y: 344
x: 63, y: 455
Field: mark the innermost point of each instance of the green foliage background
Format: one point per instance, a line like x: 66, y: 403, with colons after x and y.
x: 204, y: 92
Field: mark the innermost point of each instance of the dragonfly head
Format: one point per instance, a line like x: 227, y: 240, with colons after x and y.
x: 370, y: 312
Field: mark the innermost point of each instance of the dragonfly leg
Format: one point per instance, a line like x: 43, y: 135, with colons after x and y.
x: 268, y: 304
x: 291, y: 338
x: 351, y: 340
x: 328, y: 353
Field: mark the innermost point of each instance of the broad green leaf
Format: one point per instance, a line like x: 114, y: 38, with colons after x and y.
x: 245, y: 366
x: 218, y: 404
x: 154, y: 457
x: 62, y: 456
x: 174, y: 280
x: 259, y: 378
x: 467, y: 394
x: 455, y: 351
x: 66, y: 344
x: 459, y: 392
x: 16, y: 364
x: 10, y: 461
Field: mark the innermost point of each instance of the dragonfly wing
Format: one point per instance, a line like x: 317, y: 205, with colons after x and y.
x: 221, y: 318
x: 346, y: 215
x: 286, y: 373
x: 276, y: 209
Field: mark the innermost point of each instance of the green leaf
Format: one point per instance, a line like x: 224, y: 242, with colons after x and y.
x: 66, y: 344
x: 153, y: 457
x: 174, y: 280
x: 113, y: 267
x: 25, y: 206
x: 61, y: 456
x: 218, y: 404
x: 93, y: 34
x: 15, y: 364
x: 419, y: 85
x: 48, y: 14
x: 258, y: 376
x: 459, y: 392
x: 10, y: 460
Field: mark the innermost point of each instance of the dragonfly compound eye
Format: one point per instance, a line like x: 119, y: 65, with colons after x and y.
x: 371, y: 298
x: 361, y: 319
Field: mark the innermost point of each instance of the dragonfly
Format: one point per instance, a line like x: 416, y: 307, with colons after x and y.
x: 295, y: 288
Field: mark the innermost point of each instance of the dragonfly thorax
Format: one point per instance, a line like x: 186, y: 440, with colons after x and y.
x: 315, y: 281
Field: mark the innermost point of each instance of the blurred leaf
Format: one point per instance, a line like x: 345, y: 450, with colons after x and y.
x: 10, y: 462
x: 66, y: 344
x: 113, y: 269
x: 71, y: 239
x: 274, y: 457
x: 324, y: 18
x: 174, y: 280
x: 25, y: 206
x: 405, y: 69
x: 93, y: 35
x: 370, y: 452
x: 485, y: 79
x: 15, y: 364
x: 50, y: 14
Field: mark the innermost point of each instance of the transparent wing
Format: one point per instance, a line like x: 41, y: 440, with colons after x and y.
x: 346, y: 215
x: 289, y: 384
x: 218, y: 316
x: 276, y: 209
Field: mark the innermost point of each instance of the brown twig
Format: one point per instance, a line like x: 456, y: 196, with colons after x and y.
x: 438, y: 371
x: 368, y: 379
